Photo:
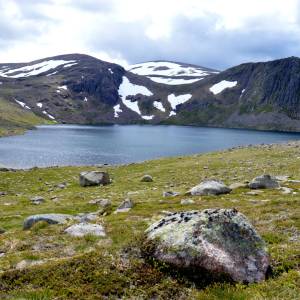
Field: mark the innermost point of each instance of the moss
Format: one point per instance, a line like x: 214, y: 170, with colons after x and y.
x: 112, y: 267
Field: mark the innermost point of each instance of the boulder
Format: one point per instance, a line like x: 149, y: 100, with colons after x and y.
x: 210, y: 187
x: 82, y: 229
x: 147, y: 178
x: 49, y: 218
x: 94, y: 178
x: 215, y: 242
x: 264, y: 182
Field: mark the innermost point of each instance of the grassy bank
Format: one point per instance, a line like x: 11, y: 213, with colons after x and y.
x: 65, y: 267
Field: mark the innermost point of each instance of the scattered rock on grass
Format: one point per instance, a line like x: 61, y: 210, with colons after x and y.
x: 264, y: 182
x: 101, y: 202
x: 37, y: 200
x: 49, y: 218
x: 82, y: 229
x: 147, y: 178
x: 216, y: 242
x: 210, y: 187
x: 125, y: 206
x: 170, y: 194
x: 238, y: 185
x: 93, y: 178
x: 187, y: 201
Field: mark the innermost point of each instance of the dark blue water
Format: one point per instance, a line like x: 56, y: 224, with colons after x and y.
x: 88, y: 145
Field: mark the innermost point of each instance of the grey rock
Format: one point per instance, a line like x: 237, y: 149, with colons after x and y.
x: 264, y: 182
x: 216, y: 241
x: 82, y: 229
x: 3, y: 193
x: 209, y: 187
x: 238, y: 185
x: 187, y: 201
x: 94, y: 178
x: 147, y: 178
x: 49, y: 218
x: 125, y: 206
x: 170, y: 194
x: 101, y: 202
x: 37, y: 200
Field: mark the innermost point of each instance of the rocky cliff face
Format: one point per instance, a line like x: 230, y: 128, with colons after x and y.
x: 81, y: 89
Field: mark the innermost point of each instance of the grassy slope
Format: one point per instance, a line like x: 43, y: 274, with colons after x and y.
x: 94, y: 268
x: 15, y: 120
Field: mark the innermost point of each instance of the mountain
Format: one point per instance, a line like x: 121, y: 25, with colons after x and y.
x: 263, y: 95
x: 77, y: 88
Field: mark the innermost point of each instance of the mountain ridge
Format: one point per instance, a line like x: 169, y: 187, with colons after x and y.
x: 78, y: 88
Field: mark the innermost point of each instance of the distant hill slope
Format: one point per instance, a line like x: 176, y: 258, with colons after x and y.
x: 77, y: 88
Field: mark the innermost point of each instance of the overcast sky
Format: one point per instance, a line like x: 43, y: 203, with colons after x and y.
x: 211, y: 33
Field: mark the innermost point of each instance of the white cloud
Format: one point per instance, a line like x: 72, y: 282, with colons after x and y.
x: 33, y: 29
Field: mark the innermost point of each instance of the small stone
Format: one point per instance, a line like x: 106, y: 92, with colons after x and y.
x: 3, y: 193
x: 82, y: 229
x: 101, y: 202
x: 37, y: 200
x: 125, y: 206
x: 187, y: 201
x: 93, y: 178
x: 147, y: 178
x: 209, y: 187
x: 28, y: 263
x: 238, y: 185
x: 170, y: 194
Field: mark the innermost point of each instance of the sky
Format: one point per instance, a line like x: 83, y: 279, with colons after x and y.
x: 210, y: 33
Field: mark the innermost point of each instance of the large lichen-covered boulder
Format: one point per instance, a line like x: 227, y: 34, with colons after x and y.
x: 91, y: 178
x: 209, y: 187
x: 214, y: 242
x: 264, y: 182
x: 49, y: 218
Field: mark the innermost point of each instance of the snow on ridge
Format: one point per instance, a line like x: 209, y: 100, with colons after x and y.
x: 127, y: 88
x: 117, y: 110
x: 173, y: 81
x: 159, y: 106
x: 176, y: 100
x: 165, y: 68
x: 35, y: 69
x: 222, y: 85
x: 48, y: 115
x: 148, y: 118
x: 22, y: 104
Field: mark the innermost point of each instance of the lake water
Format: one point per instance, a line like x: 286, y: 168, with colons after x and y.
x: 88, y: 145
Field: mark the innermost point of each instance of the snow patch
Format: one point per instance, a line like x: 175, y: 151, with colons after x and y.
x: 165, y: 68
x: 35, y: 69
x: 117, y: 110
x: 222, y: 85
x: 148, y: 117
x: 176, y: 100
x: 159, y: 106
x: 48, y: 115
x: 51, y: 74
x: 129, y: 89
x: 172, y: 113
x: 173, y: 81
x: 39, y: 104
x: 110, y: 70
x: 70, y: 65
x: 63, y: 87
x: 22, y: 104
x: 85, y: 99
